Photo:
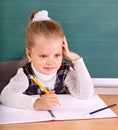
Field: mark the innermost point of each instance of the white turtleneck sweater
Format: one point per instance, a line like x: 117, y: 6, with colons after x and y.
x: 78, y: 82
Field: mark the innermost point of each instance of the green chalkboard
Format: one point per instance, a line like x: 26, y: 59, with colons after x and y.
x: 91, y: 27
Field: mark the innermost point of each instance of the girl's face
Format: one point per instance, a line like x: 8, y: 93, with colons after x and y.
x: 46, y: 55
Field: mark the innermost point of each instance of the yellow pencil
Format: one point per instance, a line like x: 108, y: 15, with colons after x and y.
x: 40, y: 85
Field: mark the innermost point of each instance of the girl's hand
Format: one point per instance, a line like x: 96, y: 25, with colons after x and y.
x: 46, y: 102
x: 67, y: 53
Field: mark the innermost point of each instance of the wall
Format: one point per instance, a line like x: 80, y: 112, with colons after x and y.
x: 91, y: 27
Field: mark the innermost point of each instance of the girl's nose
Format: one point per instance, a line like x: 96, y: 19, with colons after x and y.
x: 50, y: 61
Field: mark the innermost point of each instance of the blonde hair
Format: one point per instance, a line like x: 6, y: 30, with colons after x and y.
x: 46, y: 28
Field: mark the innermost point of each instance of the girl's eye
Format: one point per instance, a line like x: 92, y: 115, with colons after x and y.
x: 43, y: 56
x: 57, y: 55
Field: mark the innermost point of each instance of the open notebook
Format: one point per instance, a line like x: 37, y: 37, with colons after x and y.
x: 71, y: 108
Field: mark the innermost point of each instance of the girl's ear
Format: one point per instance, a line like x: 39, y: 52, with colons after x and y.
x: 28, y: 53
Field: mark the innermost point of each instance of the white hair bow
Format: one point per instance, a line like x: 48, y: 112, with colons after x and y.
x: 40, y: 16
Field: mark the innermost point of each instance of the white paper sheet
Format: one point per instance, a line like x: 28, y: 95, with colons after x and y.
x: 70, y: 108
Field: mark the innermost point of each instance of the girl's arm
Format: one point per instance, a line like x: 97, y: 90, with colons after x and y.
x: 78, y: 80
x: 12, y: 95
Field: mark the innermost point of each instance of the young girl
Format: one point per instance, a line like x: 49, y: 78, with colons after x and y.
x: 46, y: 46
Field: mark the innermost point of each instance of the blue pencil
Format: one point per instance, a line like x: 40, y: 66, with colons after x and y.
x: 93, y: 112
